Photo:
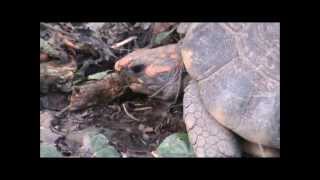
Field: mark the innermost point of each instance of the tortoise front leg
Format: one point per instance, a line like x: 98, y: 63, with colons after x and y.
x: 207, y: 136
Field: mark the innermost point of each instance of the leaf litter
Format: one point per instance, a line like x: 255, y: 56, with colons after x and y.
x: 84, y: 112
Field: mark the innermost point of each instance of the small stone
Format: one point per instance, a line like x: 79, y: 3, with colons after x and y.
x: 145, y: 136
x: 141, y: 127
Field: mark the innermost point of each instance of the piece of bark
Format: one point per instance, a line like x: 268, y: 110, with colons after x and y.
x: 94, y: 92
x: 59, y: 76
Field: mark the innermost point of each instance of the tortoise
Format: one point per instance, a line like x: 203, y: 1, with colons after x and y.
x: 231, y: 104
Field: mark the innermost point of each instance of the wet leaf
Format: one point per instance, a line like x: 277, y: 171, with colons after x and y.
x: 101, y: 148
x: 175, y: 145
x: 107, y: 151
x: 162, y: 37
x: 98, y: 142
x: 47, y: 150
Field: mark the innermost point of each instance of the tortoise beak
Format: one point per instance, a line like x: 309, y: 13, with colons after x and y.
x: 117, y: 66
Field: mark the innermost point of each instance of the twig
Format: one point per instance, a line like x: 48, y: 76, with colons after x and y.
x: 141, y: 140
x: 126, y: 41
x: 128, y: 114
x: 142, y: 108
x: 154, y: 154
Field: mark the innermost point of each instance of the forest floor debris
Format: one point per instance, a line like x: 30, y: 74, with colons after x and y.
x: 75, y: 99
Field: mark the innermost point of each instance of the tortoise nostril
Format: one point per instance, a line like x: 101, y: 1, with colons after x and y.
x: 137, y: 68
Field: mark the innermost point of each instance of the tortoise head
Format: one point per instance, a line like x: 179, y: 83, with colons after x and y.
x: 154, y: 72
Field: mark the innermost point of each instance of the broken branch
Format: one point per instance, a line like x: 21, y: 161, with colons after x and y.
x: 126, y: 41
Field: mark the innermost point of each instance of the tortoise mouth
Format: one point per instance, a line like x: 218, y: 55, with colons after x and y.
x: 128, y: 78
x: 134, y: 83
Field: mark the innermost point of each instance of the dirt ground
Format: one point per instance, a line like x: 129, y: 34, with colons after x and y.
x: 133, y: 123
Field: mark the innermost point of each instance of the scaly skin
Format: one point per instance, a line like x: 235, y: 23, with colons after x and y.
x: 237, y: 69
x: 208, y: 137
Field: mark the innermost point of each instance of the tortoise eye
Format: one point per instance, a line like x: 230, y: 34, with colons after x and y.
x: 137, y: 68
